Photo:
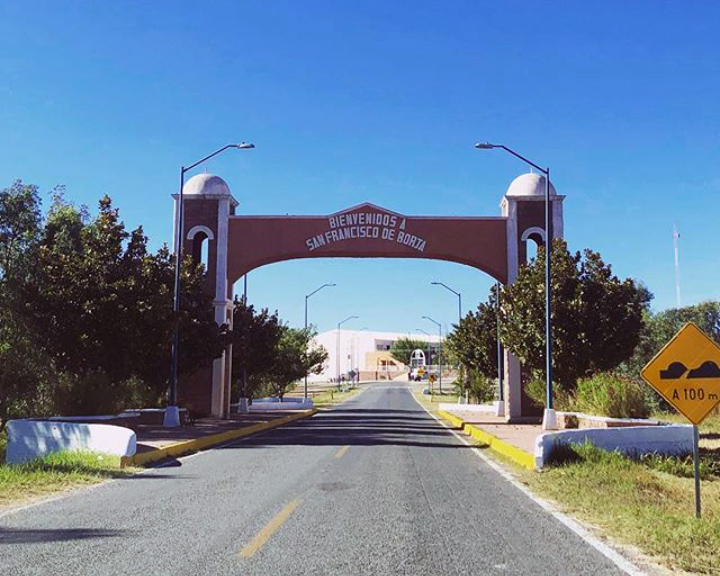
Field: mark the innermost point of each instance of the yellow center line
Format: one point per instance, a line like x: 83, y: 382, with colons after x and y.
x: 341, y: 452
x: 269, y: 529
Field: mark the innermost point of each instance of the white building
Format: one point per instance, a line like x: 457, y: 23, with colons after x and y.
x: 365, y: 351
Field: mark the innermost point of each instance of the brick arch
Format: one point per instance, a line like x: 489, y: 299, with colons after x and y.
x: 366, y: 231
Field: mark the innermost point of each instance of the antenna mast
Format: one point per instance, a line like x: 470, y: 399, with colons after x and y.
x: 677, y: 265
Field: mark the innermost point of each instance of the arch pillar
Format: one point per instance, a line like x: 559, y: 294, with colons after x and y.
x: 207, y: 391
x: 525, y: 215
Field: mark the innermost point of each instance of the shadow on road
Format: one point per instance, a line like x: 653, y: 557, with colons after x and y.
x: 358, y: 427
x: 27, y: 536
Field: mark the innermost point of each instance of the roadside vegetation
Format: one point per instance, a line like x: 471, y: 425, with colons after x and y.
x: 647, y: 503
x: 55, y: 473
x: 86, y: 316
x: 329, y: 398
x: 604, y: 333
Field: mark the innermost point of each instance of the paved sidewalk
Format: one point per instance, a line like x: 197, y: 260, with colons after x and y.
x: 521, y: 436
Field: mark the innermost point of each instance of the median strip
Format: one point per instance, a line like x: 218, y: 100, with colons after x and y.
x: 269, y: 529
x: 189, y: 446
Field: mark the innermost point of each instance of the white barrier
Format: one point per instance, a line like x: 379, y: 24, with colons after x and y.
x: 28, y: 439
x: 486, y: 408
x: 632, y: 441
x: 286, y: 404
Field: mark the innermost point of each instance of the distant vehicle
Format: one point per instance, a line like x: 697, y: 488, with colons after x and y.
x: 418, y: 374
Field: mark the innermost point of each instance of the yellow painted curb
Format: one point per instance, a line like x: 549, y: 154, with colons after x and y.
x: 501, y: 447
x: 454, y: 420
x: 189, y: 446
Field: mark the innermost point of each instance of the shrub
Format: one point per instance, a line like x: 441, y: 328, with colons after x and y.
x: 535, y: 389
x: 481, y: 388
x: 612, y: 395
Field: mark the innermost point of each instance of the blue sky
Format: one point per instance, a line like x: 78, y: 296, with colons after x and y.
x: 381, y: 101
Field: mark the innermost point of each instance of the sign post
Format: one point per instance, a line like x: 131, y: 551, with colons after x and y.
x: 686, y: 372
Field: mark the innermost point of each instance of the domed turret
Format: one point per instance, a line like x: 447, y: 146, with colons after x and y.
x: 206, y: 185
x: 529, y: 185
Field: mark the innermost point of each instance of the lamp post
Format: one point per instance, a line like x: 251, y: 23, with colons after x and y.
x: 337, y: 348
x: 456, y: 294
x: 439, y: 349
x: 306, y: 319
x: 549, y: 418
x: 171, y: 417
x: 501, y: 393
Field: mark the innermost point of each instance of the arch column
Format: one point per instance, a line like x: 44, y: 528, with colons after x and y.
x: 525, y: 221
x: 208, y: 206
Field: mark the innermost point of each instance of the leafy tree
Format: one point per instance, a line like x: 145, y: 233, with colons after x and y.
x: 473, y: 342
x: 255, y: 337
x: 102, y: 307
x: 597, y: 318
x: 23, y: 372
x: 294, y: 358
x: 403, y: 348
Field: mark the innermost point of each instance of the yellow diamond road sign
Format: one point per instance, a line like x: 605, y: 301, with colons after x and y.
x: 686, y: 372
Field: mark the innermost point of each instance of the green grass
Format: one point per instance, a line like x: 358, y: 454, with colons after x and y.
x: 636, y: 502
x: 329, y: 398
x: 55, y: 473
x: 432, y: 402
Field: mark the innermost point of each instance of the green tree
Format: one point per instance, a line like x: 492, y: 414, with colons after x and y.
x: 473, y: 342
x: 403, y: 348
x: 255, y: 337
x: 597, y: 318
x: 294, y: 358
x: 102, y: 307
x: 24, y: 373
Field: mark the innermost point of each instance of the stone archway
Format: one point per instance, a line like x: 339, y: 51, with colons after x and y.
x: 238, y: 244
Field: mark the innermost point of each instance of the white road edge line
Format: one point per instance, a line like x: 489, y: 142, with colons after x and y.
x: 615, y: 557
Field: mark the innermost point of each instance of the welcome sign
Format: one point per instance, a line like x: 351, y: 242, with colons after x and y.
x: 366, y: 225
x: 366, y: 231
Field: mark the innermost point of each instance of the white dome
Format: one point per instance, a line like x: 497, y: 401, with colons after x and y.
x: 529, y: 185
x: 206, y: 185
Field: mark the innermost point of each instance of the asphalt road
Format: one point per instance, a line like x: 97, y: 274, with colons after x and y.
x: 375, y: 487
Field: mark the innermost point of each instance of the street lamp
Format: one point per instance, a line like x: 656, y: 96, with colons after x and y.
x: 456, y: 294
x: 306, y: 323
x: 337, y: 349
x: 439, y: 349
x: 423, y: 331
x: 549, y: 418
x: 172, y: 412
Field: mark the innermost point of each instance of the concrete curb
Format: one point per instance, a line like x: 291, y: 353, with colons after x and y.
x: 190, y: 446
x: 494, y: 443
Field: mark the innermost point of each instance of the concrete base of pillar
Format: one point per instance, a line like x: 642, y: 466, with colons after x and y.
x: 500, y: 408
x: 549, y: 419
x: 242, y: 405
x: 171, y: 418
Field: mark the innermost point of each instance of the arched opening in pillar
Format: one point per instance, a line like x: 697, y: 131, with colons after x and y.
x: 531, y: 239
x: 200, y: 236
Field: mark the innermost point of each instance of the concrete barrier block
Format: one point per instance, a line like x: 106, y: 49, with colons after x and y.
x: 28, y: 439
x: 483, y: 408
x: 295, y: 404
x: 675, y: 440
